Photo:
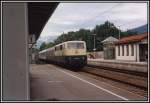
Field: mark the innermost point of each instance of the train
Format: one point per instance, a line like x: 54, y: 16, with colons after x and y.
x: 69, y: 53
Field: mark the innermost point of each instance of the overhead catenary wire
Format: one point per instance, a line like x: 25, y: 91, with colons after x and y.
x: 100, y: 14
x: 105, y: 12
x: 109, y: 10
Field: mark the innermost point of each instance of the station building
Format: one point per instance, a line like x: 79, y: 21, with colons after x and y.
x: 132, y: 48
x: 109, y: 47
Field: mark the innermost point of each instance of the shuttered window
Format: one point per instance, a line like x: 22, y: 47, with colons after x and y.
x: 127, y: 50
x: 122, y: 50
x: 132, y: 50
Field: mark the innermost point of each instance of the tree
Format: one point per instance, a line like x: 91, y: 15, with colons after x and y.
x: 50, y: 44
x: 43, y: 46
x: 103, y: 31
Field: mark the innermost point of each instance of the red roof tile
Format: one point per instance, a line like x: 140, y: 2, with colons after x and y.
x: 134, y: 38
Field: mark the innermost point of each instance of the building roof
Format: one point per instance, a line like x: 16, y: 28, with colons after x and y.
x: 110, y: 39
x: 134, y: 38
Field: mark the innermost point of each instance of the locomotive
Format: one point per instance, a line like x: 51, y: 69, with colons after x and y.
x: 69, y: 53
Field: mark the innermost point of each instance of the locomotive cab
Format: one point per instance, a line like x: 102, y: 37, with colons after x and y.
x: 76, y: 53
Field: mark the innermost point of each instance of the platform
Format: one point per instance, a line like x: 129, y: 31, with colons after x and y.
x: 49, y: 82
x: 118, y: 64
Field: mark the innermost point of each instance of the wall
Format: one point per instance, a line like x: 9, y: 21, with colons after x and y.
x: 15, y: 52
x: 135, y: 57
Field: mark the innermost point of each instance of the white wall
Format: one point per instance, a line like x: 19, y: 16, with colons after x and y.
x: 15, y: 52
x: 135, y: 57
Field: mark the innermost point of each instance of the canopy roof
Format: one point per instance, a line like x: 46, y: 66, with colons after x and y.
x: 38, y: 15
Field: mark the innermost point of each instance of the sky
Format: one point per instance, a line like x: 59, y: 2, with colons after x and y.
x: 74, y: 16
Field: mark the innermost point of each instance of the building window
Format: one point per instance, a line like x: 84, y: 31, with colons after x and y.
x: 122, y: 50
x: 118, y: 50
x: 127, y: 50
x: 132, y: 50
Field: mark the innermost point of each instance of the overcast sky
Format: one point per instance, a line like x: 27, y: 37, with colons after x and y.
x: 73, y: 16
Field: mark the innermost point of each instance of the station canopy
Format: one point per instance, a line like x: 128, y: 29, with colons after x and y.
x: 38, y: 15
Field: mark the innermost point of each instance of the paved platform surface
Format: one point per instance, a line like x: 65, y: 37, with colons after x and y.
x: 48, y: 82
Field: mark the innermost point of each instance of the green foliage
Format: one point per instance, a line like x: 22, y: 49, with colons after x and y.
x: 102, y: 32
x: 50, y: 44
x: 43, y: 45
x: 128, y: 33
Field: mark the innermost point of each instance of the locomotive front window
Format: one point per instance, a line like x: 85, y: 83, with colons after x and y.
x: 75, y: 46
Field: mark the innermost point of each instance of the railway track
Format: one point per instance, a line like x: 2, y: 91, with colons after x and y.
x: 136, y: 83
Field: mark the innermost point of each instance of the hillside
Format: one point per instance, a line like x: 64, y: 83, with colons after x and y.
x: 140, y: 29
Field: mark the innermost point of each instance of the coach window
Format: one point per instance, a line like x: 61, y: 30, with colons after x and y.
x: 60, y: 47
x: 63, y: 46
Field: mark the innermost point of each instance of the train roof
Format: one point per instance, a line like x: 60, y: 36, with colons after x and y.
x: 60, y: 44
x: 74, y: 41
x: 46, y: 50
x: 68, y: 41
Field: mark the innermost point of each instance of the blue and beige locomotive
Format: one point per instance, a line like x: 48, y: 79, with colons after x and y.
x: 70, y: 53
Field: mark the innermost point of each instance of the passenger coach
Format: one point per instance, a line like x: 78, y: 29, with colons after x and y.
x: 70, y: 53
